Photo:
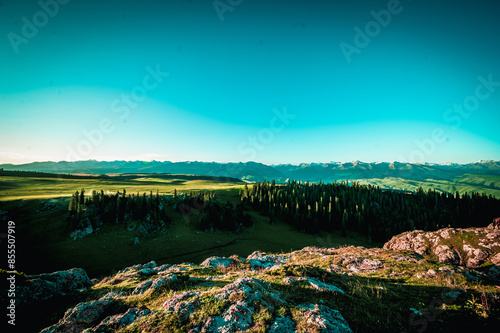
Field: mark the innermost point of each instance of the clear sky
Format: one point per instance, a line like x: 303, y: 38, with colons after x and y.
x: 239, y: 80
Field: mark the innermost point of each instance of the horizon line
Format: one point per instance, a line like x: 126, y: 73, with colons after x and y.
x: 241, y: 162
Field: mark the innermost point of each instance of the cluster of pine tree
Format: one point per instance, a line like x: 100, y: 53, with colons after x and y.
x: 100, y: 208
x: 367, y: 209
x: 215, y: 214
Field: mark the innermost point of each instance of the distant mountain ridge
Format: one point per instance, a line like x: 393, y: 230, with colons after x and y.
x: 253, y: 171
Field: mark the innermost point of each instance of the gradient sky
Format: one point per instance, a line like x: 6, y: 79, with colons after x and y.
x: 268, y: 81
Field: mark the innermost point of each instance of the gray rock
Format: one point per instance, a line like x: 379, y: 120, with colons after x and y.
x: 82, y: 316
x: 325, y: 318
x: 45, y: 286
x: 154, y: 284
x: 217, y: 262
x: 282, y: 325
x: 321, y: 286
x: 445, y: 255
x: 118, y: 321
x: 262, y: 260
x: 237, y: 318
x: 183, y: 303
x: 362, y: 265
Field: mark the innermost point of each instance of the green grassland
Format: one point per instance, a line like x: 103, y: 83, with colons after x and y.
x: 39, y: 206
x: 489, y: 184
x: 29, y: 185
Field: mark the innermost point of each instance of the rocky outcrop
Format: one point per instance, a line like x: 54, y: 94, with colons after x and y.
x: 83, y: 315
x: 217, y: 262
x: 302, y: 291
x: 266, y: 261
x: 115, y: 322
x: 154, y: 284
x: 44, y: 286
x: 325, y: 318
x: 470, y: 247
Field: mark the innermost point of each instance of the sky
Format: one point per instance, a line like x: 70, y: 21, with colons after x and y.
x: 238, y: 80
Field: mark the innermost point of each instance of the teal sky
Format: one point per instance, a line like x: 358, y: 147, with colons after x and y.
x: 268, y: 81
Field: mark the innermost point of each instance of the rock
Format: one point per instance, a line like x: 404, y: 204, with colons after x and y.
x: 82, y: 316
x: 183, y: 303
x: 405, y: 258
x: 80, y: 233
x: 321, y: 286
x: 217, y: 262
x: 434, y: 243
x: 476, y: 256
x: 325, y: 318
x: 362, y: 265
x: 496, y: 259
x: 154, y: 284
x: 495, y: 224
x: 282, y: 325
x: 142, y: 287
x: 431, y: 273
x: 45, y: 286
x: 262, y: 260
x: 237, y: 318
x: 118, y: 321
x: 445, y: 255
x: 413, y: 241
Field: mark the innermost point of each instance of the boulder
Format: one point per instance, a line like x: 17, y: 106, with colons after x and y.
x: 47, y: 285
x: 183, y: 303
x: 82, y: 316
x: 281, y: 325
x: 237, y: 318
x: 121, y: 320
x: 325, y: 318
x: 217, y: 262
x: 445, y: 255
x: 321, y: 286
x: 262, y: 260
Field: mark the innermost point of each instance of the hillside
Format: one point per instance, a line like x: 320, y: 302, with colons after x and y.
x: 411, y: 285
x: 483, y: 176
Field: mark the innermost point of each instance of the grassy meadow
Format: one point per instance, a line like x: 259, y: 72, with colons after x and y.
x: 38, y: 203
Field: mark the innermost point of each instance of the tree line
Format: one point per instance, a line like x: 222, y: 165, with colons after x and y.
x: 367, y: 209
x: 152, y: 211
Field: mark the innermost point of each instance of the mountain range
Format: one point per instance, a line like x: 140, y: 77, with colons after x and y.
x: 253, y: 171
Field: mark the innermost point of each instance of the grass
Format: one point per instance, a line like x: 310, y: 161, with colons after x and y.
x: 373, y: 302
x: 28, y: 185
x: 489, y: 184
x: 44, y: 244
